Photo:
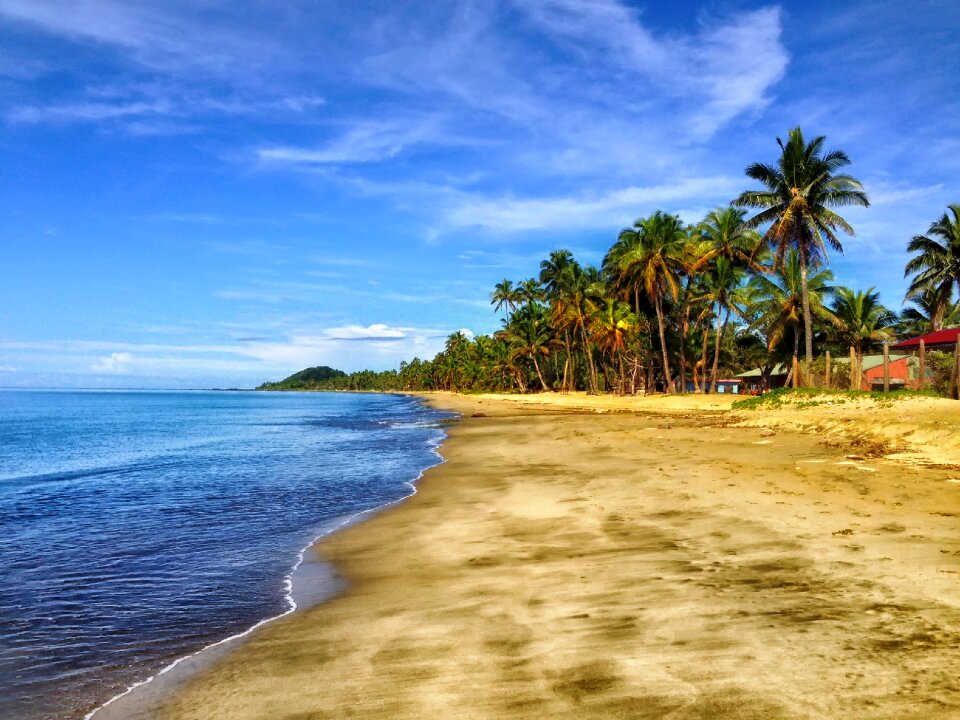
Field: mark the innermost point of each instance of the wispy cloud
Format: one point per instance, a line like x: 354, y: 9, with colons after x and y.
x: 118, y: 362
x: 349, y: 346
x: 90, y: 111
x: 584, y: 211
x: 171, y: 36
x: 365, y: 142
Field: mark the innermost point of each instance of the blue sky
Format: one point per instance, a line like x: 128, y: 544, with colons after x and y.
x: 216, y: 193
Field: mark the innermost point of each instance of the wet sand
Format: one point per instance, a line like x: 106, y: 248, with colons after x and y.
x: 565, y: 563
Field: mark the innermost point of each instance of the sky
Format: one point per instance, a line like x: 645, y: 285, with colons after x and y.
x: 216, y: 193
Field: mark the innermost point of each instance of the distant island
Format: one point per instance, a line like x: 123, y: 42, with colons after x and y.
x: 313, y: 378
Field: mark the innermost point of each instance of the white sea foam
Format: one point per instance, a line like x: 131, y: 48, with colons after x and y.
x: 287, y: 582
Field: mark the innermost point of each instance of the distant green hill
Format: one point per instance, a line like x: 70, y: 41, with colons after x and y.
x: 315, y: 378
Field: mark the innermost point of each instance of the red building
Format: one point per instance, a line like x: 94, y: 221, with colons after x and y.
x: 945, y: 340
x: 903, y: 371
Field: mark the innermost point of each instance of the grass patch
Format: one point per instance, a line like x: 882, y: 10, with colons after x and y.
x: 812, y: 397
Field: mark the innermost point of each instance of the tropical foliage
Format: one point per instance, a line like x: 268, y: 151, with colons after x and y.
x: 676, y: 306
x: 935, y: 267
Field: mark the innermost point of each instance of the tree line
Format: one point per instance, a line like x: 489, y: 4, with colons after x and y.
x: 676, y: 305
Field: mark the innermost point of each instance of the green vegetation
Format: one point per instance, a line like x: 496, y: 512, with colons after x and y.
x: 676, y: 306
x: 315, y: 378
x: 810, y: 397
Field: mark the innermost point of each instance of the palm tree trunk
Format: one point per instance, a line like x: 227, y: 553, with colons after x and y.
x: 622, y: 390
x: 683, y: 356
x: 796, y: 350
x: 536, y: 365
x: 663, y: 346
x: 807, y: 318
x: 703, y: 358
x: 566, y: 364
x: 586, y: 350
x: 716, y: 355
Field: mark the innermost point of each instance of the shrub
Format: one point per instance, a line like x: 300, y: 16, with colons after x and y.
x: 939, y: 369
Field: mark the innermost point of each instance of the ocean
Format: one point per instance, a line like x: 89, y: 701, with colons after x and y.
x: 139, y: 527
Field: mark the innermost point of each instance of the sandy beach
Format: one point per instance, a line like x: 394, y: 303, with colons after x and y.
x: 608, y: 558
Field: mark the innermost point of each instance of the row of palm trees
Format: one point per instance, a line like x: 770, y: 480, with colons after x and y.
x: 673, y: 302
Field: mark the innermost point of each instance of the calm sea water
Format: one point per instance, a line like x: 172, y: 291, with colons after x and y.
x: 136, y: 527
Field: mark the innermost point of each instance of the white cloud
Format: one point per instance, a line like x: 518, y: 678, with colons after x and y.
x: 605, y: 210
x: 349, y: 347
x: 881, y: 193
x: 166, y: 36
x: 90, y: 111
x: 365, y: 142
x: 358, y: 332
x: 118, y: 362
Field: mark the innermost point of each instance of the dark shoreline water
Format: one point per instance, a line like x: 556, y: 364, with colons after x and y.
x: 140, y: 527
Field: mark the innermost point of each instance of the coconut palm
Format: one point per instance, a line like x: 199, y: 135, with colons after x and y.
x: 727, y: 235
x: 556, y: 275
x: 860, y: 318
x: 530, y: 292
x: 529, y: 332
x: 610, y: 327
x: 504, y: 295
x: 652, y: 261
x: 795, y: 204
x: 779, y: 298
x: 937, y: 263
x: 921, y: 318
x: 720, y: 285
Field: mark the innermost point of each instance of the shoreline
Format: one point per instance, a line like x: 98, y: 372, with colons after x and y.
x: 311, y: 662
x: 131, y: 704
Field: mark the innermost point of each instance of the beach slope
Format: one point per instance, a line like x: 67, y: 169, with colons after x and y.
x: 565, y: 563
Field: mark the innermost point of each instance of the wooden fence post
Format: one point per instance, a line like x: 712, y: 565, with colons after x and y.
x: 854, y: 375
x: 955, y: 373
x: 923, y: 364
x: 886, y: 366
x: 826, y: 374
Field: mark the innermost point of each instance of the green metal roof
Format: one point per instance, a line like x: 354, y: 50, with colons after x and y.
x: 869, y: 362
x: 778, y: 369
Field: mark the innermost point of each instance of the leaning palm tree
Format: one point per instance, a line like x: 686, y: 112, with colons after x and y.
x: 937, y: 263
x: 654, y: 264
x: 799, y: 192
x: 928, y: 314
x: 861, y: 319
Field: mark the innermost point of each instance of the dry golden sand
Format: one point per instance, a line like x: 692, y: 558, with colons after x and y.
x: 566, y: 563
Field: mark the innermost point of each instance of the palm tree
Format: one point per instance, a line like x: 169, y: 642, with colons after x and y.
x: 778, y: 300
x: 921, y: 318
x: 721, y: 285
x: 530, y: 291
x: 861, y: 319
x: 610, y: 327
x: 726, y: 232
x: 652, y: 262
x: 800, y: 190
x: 937, y: 263
x: 504, y: 295
x: 530, y: 334
x: 556, y: 276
